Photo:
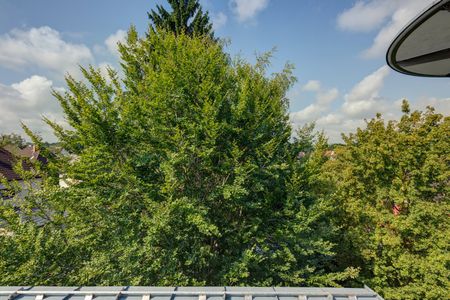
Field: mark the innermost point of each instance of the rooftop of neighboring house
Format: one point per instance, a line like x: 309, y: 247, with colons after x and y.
x: 7, y: 162
x: 9, y: 155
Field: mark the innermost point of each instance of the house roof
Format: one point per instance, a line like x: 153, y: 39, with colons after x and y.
x: 8, y: 158
x: 7, y: 162
x: 185, y: 293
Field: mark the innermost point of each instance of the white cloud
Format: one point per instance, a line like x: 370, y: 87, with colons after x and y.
x: 364, y: 96
x: 366, y: 16
x: 327, y: 97
x: 335, y: 130
x: 330, y: 119
x: 33, y: 89
x: 363, y: 100
x: 219, y: 20
x: 442, y: 105
x: 112, y: 40
x: 336, y: 115
x: 42, y: 47
x: 311, y: 86
x: 27, y: 101
x: 390, y: 15
x: 307, y: 114
x: 323, y: 99
x: 247, y: 9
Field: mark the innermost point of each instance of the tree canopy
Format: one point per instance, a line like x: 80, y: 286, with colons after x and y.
x: 186, y: 171
x: 12, y: 139
x: 391, y: 198
x: 184, y: 175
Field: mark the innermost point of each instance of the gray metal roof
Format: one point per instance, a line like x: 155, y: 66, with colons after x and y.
x: 184, y: 293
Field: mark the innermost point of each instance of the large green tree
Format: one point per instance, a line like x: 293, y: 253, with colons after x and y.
x: 392, y: 184
x: 184, y: 175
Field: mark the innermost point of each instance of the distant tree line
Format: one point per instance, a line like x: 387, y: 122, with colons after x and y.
x: 185, y: 172
x: 13, y: 139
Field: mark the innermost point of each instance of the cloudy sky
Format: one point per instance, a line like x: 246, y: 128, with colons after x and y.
x: 338, y: 48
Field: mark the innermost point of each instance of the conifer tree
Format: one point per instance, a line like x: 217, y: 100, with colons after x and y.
x: 186, y: 17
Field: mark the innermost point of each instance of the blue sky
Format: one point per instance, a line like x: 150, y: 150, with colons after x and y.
x: 338, y: 49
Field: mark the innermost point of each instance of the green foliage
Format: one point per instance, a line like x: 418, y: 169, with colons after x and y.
x: 12, y: 139
x: 185, y: 174
x: 392, y: 184
x: 186, y: 17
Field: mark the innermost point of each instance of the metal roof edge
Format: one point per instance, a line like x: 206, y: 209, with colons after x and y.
x: 369, y: 289
x: 201, y: 291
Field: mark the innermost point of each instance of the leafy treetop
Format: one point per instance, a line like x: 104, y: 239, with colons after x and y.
x: 391, y: 201
x: 186, y: 17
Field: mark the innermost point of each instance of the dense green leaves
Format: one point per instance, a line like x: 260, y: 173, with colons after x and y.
x: 186, y: 171
x: 186, y: 17
x: 184, y: 175
x: 392, y: 184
